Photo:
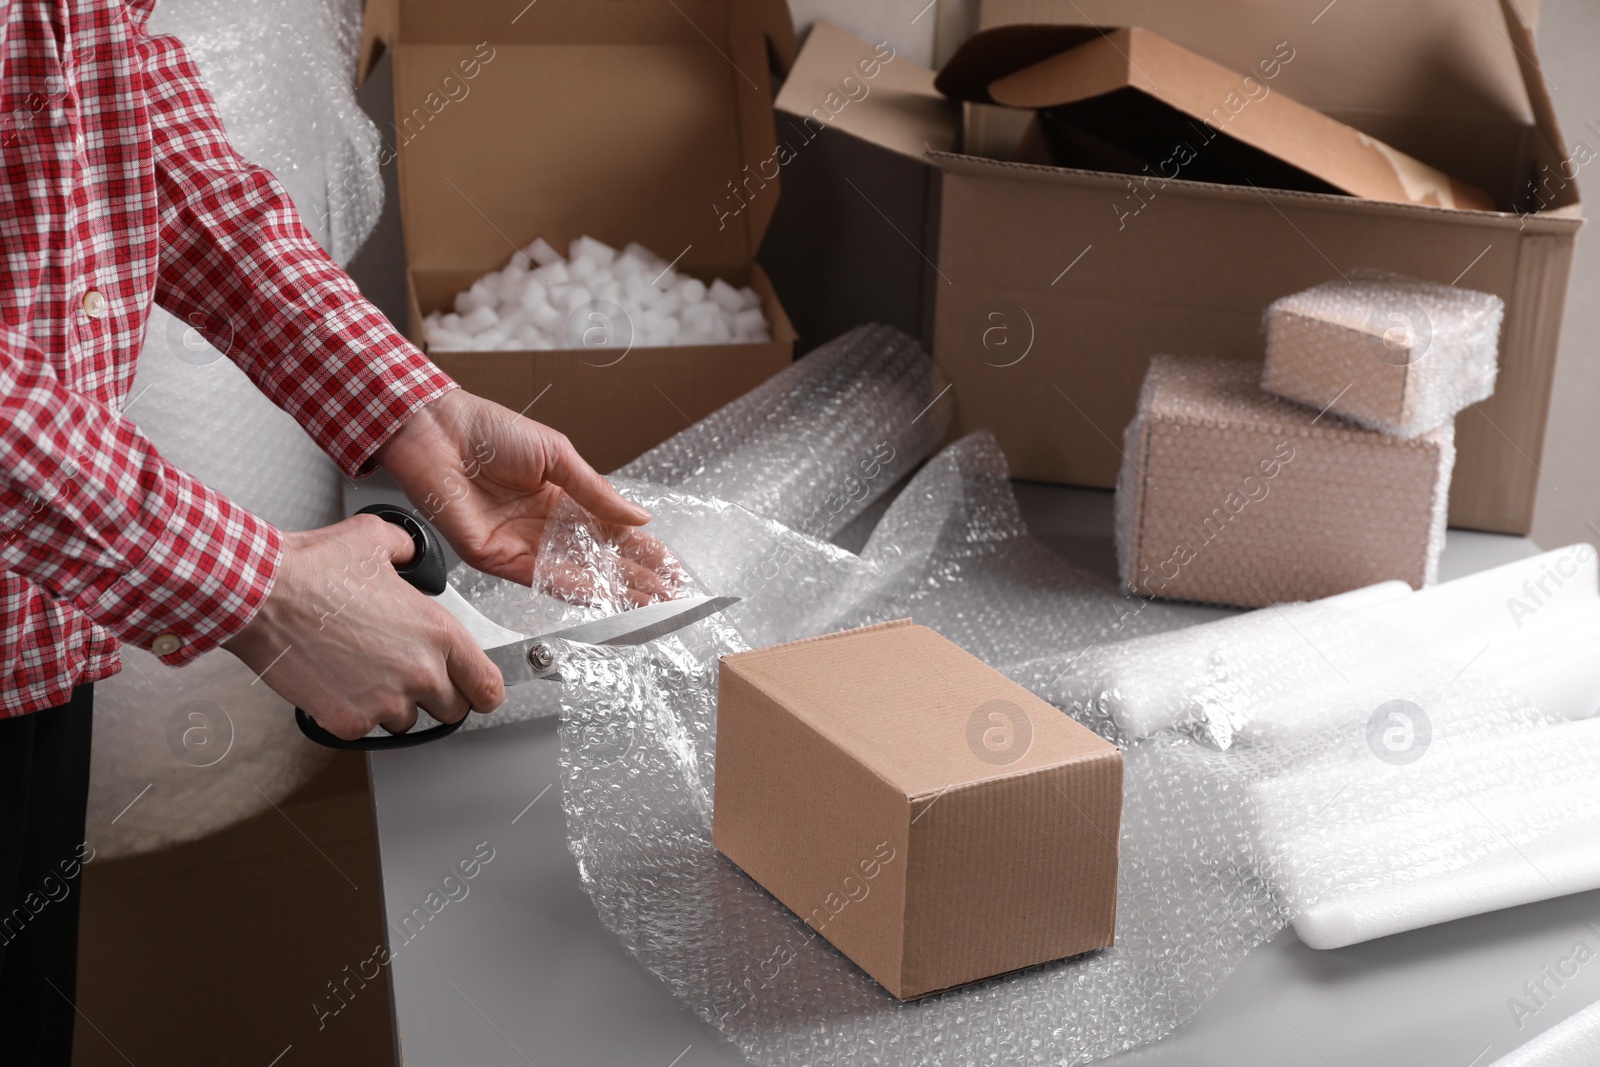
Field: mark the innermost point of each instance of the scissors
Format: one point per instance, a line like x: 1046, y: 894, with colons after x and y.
x: 520, y: 658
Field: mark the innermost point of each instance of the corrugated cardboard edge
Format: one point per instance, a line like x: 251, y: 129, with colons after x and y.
x: 1520, y: 34
x: 890, y: 624
x: 732, y: 662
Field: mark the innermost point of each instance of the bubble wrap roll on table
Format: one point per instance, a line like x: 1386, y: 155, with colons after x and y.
x: 814, y: 445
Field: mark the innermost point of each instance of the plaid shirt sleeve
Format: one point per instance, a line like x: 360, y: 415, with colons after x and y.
x: 92, y: 515
x: 239, y: 266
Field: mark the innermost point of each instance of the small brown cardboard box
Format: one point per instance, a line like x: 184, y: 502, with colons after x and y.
x: 1043, y: 291
x: 646, y: 121
x: 934, y: 820
x: 1231, y: 495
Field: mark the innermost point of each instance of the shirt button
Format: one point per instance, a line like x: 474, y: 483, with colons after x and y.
x: 166, y: 644
x: 94, y: 304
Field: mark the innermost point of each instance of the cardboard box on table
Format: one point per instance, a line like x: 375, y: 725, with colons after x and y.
x: 934, y: 820
x: 1043, y: 291
x: 646, y: 121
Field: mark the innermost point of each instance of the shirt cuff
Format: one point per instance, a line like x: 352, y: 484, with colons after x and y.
x: 393, y: 383
x: 202, y: 578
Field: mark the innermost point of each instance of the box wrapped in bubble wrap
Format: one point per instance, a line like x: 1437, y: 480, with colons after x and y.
x: 1395, y: 354
x: 1230, y: 495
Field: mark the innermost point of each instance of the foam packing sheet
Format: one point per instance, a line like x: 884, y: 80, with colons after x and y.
x: 1573, y: 1042
x: 1200, y: 882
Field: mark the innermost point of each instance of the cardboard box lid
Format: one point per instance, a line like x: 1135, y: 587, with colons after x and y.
x: 1494, y: 88
x: 1137, y: 59
x: 627, y: 121
x: 907, y: 114
x: 921, y: 688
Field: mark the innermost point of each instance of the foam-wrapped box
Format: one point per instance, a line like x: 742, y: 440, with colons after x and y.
x: 932, y: 819
x: 1230, y: 495
x: 1395, y: 354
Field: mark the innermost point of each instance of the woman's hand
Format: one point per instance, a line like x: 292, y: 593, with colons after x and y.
x: 489, y: 480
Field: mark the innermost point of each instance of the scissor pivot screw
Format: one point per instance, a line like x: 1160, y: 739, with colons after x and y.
x: 540, y: 658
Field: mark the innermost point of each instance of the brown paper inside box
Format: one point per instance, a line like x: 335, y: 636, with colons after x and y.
x: 649, y: 121
x: 932, y: 819
x: 1230, y: 495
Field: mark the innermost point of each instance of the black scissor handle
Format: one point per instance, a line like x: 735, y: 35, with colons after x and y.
x: 309, y: 727
x: 426, y: 571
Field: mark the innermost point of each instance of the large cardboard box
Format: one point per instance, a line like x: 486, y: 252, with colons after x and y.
x: 1043, y: 291
x: 934, y: 820
x: 646, y: 121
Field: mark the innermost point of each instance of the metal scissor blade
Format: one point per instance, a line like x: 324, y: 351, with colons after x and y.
x: 634, y: 627
x: 644, y: 624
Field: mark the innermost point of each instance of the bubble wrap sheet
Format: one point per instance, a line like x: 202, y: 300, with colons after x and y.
x: 1220, y: 848
x: 813, y: 446
x: 283, y: 74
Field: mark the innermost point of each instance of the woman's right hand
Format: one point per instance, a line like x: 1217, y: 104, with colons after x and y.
x: 345, y: 638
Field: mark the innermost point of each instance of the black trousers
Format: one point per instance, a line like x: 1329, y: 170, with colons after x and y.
x: 44, y: 789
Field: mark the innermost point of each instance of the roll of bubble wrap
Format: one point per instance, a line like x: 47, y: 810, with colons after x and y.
x: 1198, y: 889
x: 1230, y: 495
x: 1531, y: 627
x: 1574, y: 1042
x: 813, y: 446
x: 283, y: 74
x: 196, y: 750
x: 1394, y: 354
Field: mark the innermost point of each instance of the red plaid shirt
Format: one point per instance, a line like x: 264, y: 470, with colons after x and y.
x: 118, y: 187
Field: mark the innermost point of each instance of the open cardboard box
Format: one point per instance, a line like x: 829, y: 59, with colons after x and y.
x: 1043, y: 291
x: 646, y: 121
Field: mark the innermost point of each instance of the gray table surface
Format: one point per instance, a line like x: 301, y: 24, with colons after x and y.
x: 521, y: 971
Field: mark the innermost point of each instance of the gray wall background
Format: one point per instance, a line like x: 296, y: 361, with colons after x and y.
x: 1569, y: 495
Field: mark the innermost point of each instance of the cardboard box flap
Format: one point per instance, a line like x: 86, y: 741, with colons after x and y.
x: 717, y: 23
x: 1454, y: 84
x: 673, y: 147
x: 928, y: 699
x: 1429, y: 58
x: 895, y: 106
x: 1549, y: 148
x: 986, y: 57
x: 1239, y: 106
